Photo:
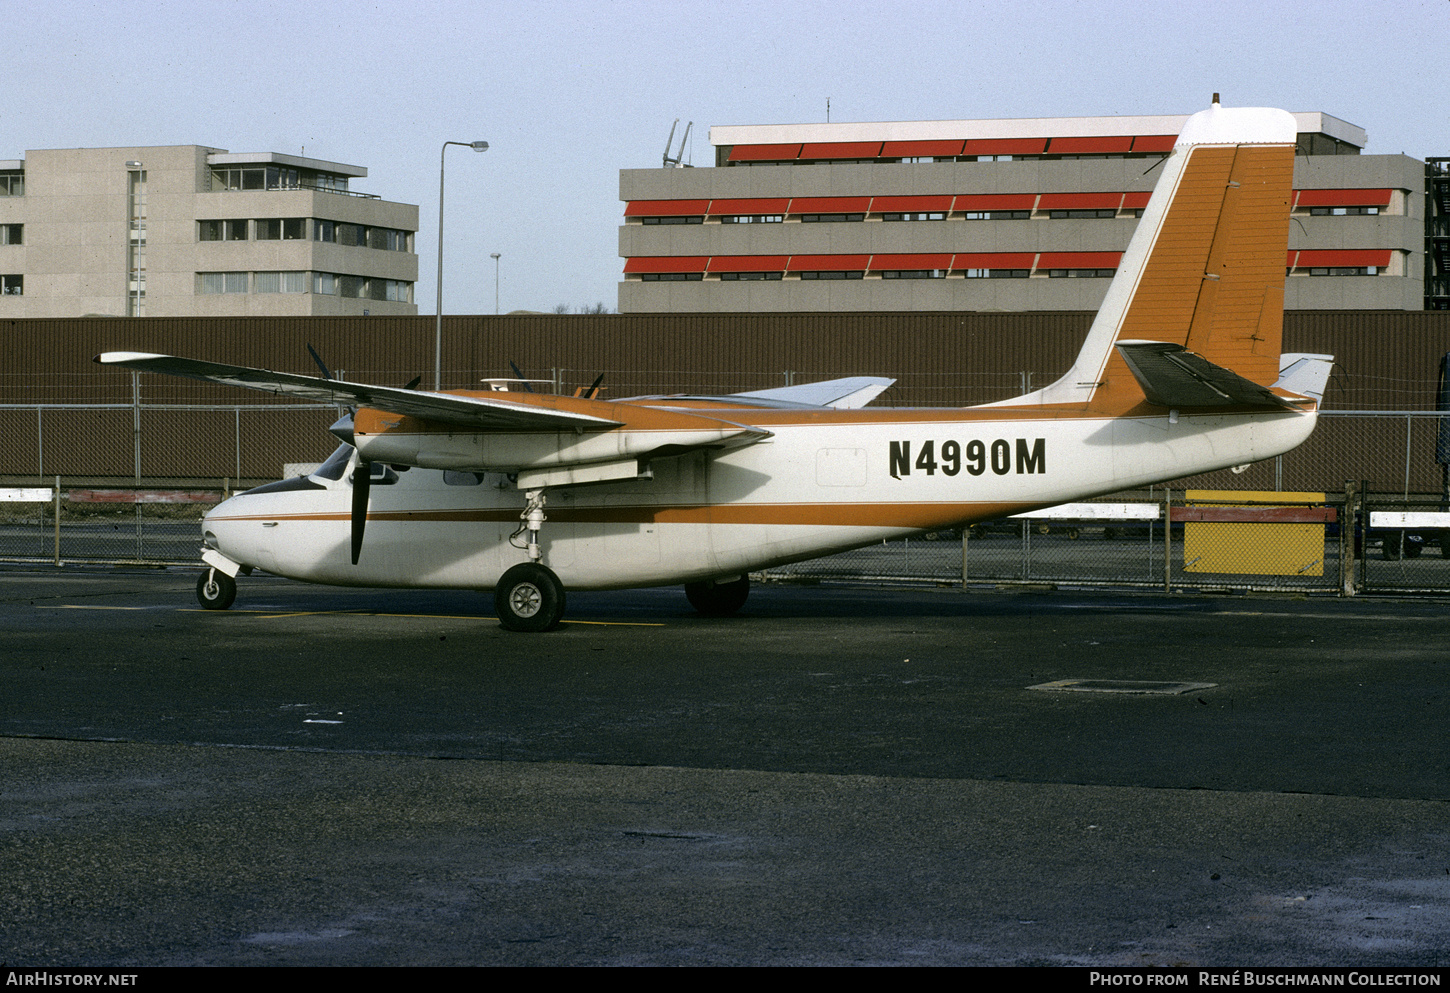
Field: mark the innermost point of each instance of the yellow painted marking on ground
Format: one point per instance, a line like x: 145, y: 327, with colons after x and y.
x: 621, y: 624
x: 94, y: 606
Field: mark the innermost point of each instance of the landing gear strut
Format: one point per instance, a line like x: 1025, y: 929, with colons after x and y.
x: 215, y: 590
x: 529, y: 597
x: 716, y: 599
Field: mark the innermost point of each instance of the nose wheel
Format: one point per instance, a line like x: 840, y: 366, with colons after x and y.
x: 215, y: 590
x: 529, y: 597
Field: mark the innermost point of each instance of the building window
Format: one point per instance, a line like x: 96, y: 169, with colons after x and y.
x: 747, y: 276
x: 234, y: 230
x: 834, y: 274
x: 913, y: 273
x: 352, y: 287
x: 12, y: 184
x: 671, y: 277
x: 933, y: 215
x: 752, y: 218
x: 830, y: 218
x: 673, y: 220
x: 12, y: 286
x: 995, y: 273
x: 221, y: 282
x: 388, y: 239
x: 324, y: 283
x: 209, y: 230
x: 12, y: 234
x: 1342, y: 211
x: 352, y: 235
x: 1078, y: 215
x: 997, y: 215
x: 1339, y: 270
x: 281, y: 282
x: 221, y: 230
x: 280, y: 228
x: 1081, y: 273
x: 324, y: 230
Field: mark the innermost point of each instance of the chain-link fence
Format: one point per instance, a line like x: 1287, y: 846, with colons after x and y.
x: 113, y: 482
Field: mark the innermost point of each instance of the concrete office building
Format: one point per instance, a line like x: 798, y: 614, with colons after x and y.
x: 992, y: 215
x: 191, y: 231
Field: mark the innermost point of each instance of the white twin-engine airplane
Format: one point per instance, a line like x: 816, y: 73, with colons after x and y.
x: 532, y: 494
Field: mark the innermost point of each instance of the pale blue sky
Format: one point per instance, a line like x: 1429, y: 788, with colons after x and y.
x: 568, y: 93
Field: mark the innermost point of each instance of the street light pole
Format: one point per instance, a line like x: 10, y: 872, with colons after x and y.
x: 494, y: 256
x: 477, y: 146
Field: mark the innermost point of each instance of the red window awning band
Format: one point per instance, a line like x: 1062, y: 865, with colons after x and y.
x: 830, y: 205
x: 1004, y: 146
x: 669, y: 263
x: 885, y: 205
x: 1136, y: 201
x: 1154, y: 142
x: 1117, y: 144
x: 1343, y: 198
x: 1079, y: 260
x: 898, y: 262
x: 1347, y: 257
x: 827, y: 263
x: 911, y: 149
x: 995, y: 201
x: 993, y: 260
x: 764, y: 153
x: 1080, y: 201
x: 748, y: 263
x: 763, y: 205
x: 841, y: 150
x: 665, y: 208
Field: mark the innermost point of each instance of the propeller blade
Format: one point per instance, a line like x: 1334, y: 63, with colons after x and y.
x: 519, y: 373
x: 362, y: 478
x: 320, y: 364
x: 413, y: 383
x: 593, y: 390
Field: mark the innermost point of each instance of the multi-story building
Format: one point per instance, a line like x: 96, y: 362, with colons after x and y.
x: 185, y: 230
x: 1006, y: 215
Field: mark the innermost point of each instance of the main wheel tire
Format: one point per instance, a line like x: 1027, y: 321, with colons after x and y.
x: 718, y: 599
x: 529, y: 597
x: 215, y: 590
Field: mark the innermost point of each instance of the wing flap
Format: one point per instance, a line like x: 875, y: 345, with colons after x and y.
x: 1172, y: 376
x: 465, y: 411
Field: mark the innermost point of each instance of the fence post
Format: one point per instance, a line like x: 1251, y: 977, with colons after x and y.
x: 57, y: 520
x: 1347, y: 533
x: 1167, y: 540
x: 966, y: 530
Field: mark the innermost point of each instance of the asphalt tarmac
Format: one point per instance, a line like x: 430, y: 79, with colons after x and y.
x: 836, y: 776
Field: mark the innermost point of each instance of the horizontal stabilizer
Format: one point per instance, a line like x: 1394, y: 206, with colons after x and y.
x: 1172, y: 376
x: 448, y: 408
x: 842, y: 394
x: 1305, y: 374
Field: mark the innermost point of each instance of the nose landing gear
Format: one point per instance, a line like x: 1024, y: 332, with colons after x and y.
x: 215, y: 590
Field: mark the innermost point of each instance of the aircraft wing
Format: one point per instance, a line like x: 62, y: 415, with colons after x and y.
x: 465, y: 411
x: 843, y: 394
x: 1172, y: 376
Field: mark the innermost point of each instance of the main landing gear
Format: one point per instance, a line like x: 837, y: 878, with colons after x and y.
x: 529, y: 597
x: 215, y: 590
x: 714, y: 598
